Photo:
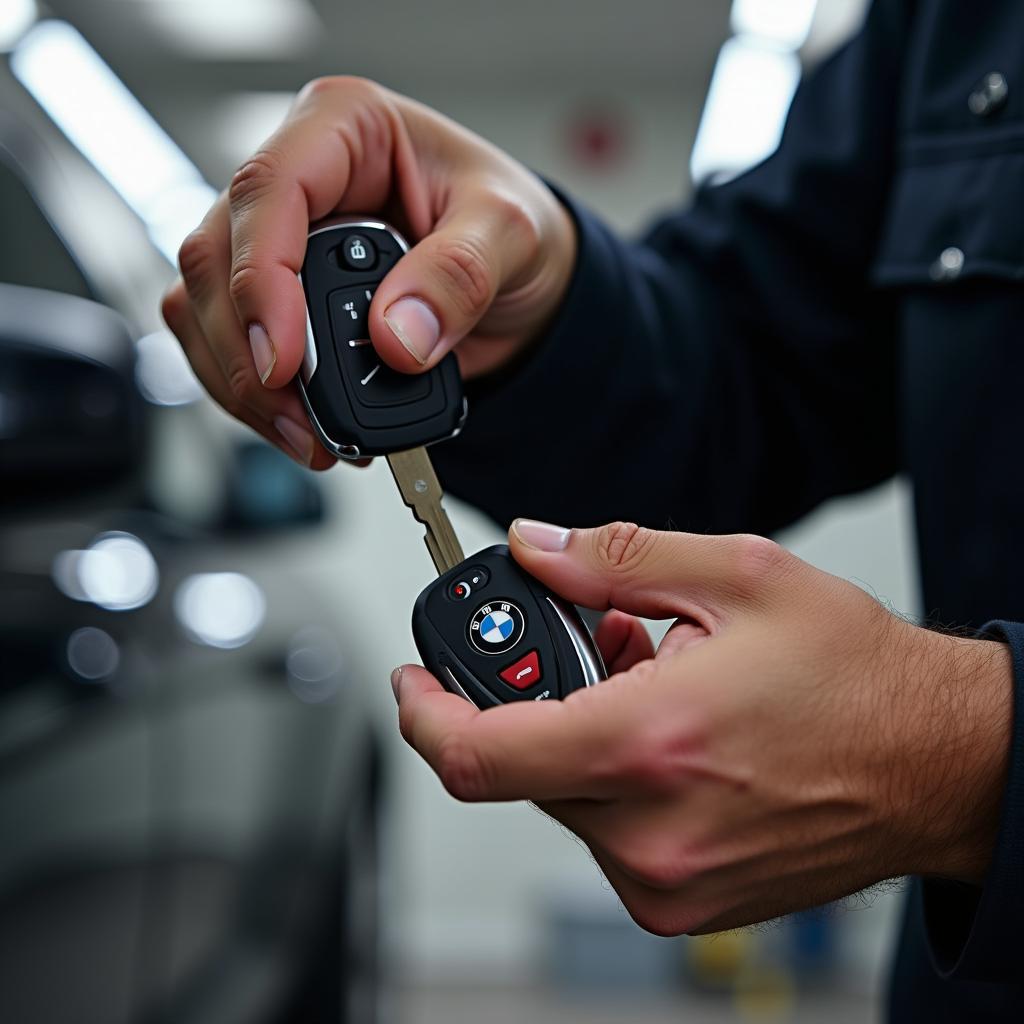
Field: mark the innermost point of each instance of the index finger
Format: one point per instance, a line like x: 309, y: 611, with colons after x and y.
x: 335, y: 150
x: 528, y: 750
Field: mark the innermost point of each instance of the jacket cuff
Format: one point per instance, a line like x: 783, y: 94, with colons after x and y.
x: 971, y: 929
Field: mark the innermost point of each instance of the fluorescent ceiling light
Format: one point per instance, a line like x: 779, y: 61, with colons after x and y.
x: 16, y: 17
x: 787, y: 23
x: 112, y: 129
x: 235, y: 28
x: 748, y: 101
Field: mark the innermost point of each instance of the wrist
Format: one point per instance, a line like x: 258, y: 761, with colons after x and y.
x: 965, y: 714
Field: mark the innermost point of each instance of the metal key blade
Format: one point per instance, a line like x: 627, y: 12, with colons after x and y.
x: 421, y: 491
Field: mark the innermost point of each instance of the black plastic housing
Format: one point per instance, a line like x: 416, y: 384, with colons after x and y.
x: 553, y: 628
x: 358, y: 405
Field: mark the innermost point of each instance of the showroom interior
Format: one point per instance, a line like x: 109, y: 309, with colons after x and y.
x: 208, y: 814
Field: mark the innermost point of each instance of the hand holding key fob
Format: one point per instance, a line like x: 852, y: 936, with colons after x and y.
x: 486, y: 629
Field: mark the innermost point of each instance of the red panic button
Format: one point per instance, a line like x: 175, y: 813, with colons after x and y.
x: 523, y: 673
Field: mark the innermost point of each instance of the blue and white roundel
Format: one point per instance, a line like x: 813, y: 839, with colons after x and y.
x: 496, y: 627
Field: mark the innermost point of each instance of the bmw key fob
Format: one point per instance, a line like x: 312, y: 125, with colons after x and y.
x: 493, y: 634
x: 357, y: 405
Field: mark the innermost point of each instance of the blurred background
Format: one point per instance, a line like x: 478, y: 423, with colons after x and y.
x: 205, y: 809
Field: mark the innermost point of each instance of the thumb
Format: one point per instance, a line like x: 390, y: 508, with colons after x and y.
x: 438, y: 292
x: 647, y: 572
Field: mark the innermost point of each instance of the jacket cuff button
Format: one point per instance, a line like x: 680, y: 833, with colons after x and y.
x: 989, y: 96
x: 948, y: 265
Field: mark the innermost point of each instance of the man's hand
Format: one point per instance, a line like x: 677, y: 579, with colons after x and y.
x: 790, y: 743
x: 493, y: 255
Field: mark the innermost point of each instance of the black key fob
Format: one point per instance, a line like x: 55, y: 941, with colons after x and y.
x: 358, y: 405
x: 493, y: 634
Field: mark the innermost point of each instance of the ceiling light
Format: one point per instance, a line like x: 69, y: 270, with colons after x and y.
x: 787, y: 23
x: 235, y: 28
x: 748, y: 101
x: 16, y: 16
x: 112, y: 129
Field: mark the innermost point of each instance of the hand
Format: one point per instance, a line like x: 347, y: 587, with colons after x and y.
x: 493, y: 256
x: 790, y: 743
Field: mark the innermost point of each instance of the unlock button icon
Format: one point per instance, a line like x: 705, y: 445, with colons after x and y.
x: 358, y: 252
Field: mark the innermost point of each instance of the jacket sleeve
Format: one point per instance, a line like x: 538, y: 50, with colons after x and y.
x: 732, y: 369
x: 973, y: 932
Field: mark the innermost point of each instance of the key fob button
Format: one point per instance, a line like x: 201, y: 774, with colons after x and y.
x: 470, y: 582
x: 496, y: 627
x: 357, y: 252
x: 355, y: 402
x: 372, y: 383
x: 524, y: 673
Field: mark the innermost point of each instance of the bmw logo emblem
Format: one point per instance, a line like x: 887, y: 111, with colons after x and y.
x: 496, y: 627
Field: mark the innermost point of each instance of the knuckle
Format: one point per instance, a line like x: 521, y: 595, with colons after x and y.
x: 196, y: 258
x: 331, y: 86
x: 242, y: 381
x: 244, y: 278
x: 517, y: 221
x: 462, y: 270
x: 621, y: 546
x: 254, y: 179
x: 651, y: 763
x: 643, y: 671
x: 662, y: 756
x: 756, y: 560
x: 461, y: 769
x: 660, y: 864
x: 643, y: 764
x: 319, y: 87
x: 172, y: 307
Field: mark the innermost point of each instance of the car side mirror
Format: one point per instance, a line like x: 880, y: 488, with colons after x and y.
x: 71, y: 417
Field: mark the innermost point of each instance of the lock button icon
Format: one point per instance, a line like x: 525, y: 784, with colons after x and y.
x: 358, y: 252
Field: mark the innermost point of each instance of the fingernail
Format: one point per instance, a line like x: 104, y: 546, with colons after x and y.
x: 414, y: 324
x: 299, y: 439
x: 263, y: 353
x: 541, y: 536
x: 396, y: 681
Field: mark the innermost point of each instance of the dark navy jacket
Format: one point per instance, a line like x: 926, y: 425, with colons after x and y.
x: 850, y: 309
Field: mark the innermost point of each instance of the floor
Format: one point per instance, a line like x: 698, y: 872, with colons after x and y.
x: 516, y: 1006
